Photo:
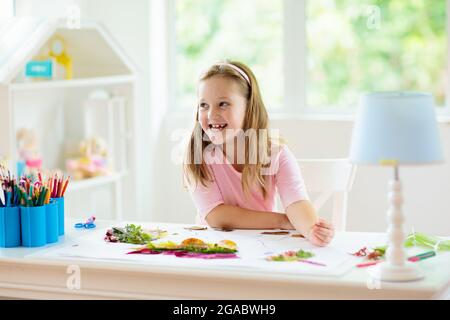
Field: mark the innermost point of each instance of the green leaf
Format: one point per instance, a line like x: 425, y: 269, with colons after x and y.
x: 304, y: 254
x: 136, y: 235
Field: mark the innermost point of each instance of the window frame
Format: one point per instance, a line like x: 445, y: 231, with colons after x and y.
x: 446, y: 109
x: 11, y: 7
x: 294, y: 69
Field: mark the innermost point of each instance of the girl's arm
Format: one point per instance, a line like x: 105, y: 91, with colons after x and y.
x: 304, y: 218
x: 302, y: 215
x: 227, y: 216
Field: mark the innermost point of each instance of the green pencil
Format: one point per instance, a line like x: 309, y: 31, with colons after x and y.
x: 422, y: 256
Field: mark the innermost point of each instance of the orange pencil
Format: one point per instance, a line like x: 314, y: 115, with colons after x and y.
x: 47, y: 196
x: 65, y: 187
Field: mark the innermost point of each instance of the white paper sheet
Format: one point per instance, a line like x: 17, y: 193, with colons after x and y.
x: 253, y: 247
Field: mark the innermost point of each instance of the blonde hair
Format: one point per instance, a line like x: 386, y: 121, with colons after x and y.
x: 255, y: 117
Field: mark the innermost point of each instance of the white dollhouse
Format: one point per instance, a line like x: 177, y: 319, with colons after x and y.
x: 94, y: 98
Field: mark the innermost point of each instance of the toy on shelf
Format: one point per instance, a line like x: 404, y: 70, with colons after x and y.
x: 92, y: 161
x: 53, y: 63
x: 30, y: 160
x: 40, y: 68
x: 63, y: 60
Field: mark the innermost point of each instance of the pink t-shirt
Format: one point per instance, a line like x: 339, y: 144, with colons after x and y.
x: 226, y: 188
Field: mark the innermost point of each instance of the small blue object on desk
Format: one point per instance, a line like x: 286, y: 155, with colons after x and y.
x: 89, y: 224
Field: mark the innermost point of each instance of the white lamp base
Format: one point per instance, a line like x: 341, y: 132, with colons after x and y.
x: 387, y: 272
x: 396, y: 267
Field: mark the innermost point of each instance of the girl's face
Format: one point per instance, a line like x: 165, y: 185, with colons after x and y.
x: 221, y: 107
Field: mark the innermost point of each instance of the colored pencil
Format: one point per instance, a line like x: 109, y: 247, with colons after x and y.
x: 415, y: 258
x: 2, y: 195
x: 422, y: 256
x: 65, y: 186
x: 312, y: 262
x: 25, y: 192
x: 54, y: 188
x: 368, y: 264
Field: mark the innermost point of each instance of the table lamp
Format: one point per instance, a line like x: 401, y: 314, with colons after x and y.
x: 395, y: 129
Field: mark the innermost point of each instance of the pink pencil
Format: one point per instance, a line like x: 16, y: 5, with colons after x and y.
x: 312, y: 262
x: 368, y: 264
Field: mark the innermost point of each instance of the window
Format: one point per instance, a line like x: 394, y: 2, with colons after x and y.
x: 374, y: 45
x: 211, y: 30
x: 316, y: 56
x: 6, y: 9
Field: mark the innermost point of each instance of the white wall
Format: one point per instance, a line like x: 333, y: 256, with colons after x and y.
x: 426, y: 189
x: 128, y: 22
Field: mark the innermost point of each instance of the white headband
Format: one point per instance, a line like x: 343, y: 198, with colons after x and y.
x: 241, y: 72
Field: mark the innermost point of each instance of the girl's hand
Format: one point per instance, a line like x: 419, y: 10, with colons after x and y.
x: 321, y: 233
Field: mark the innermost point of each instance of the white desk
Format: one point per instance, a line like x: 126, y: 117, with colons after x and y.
x: 22, y: 276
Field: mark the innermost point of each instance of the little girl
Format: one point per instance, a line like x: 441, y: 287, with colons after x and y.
x: 234, y: 168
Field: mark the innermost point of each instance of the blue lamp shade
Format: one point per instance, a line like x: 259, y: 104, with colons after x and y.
x: 395, y: 128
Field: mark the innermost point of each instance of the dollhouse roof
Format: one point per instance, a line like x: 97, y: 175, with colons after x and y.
x: 94, y: 52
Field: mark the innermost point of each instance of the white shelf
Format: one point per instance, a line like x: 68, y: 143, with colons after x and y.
x: 85, y: 82
x: 105, y: 67
x: 78, y: 185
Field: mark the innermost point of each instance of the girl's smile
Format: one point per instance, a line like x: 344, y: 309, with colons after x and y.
x: 217, y: 127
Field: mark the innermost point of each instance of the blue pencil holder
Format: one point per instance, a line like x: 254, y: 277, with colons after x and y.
x: 52, y: 219
x: 9, y: 227
x: 34, y: 231
x: 60, y: 202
